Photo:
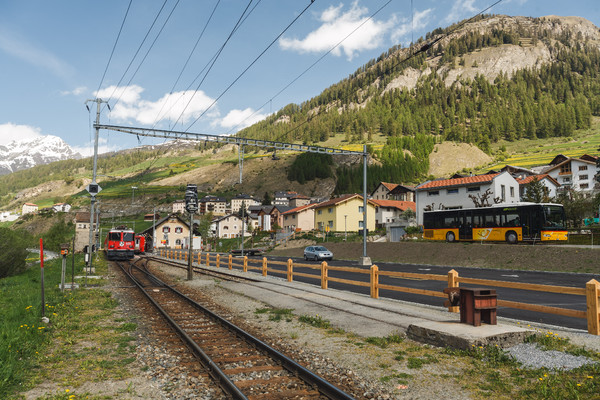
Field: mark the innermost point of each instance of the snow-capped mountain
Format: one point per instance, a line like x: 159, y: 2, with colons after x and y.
x: 23, y: 154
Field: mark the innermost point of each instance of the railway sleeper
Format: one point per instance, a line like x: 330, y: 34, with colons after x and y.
x: 286, y: 394
x: 256, y: 368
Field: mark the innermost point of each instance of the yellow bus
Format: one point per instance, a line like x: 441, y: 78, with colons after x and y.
x: 511, y: 223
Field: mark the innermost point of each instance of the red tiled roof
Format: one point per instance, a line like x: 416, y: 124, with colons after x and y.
x: 401, y: 205
x: 389, y: 186
x: 298, y: 209
x: 458, y: 181
x: 530, y: 179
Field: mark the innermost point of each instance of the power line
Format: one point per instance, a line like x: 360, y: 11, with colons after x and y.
x: 149, y: 49
x: 251, y: 64
x: 214, y: 60
x: 114, y: 46
x: 313, y: 64
x: 187, y: 61
x: 138, y: 50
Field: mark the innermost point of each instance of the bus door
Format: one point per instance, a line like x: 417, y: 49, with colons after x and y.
x: 465, y: 230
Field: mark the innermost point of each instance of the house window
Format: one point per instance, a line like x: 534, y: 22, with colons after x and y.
x: 473, y: 189
x: 178, y: 229
x: 360, y: 224
x: 512, y: 191
x: 225, y: 228
x: 361, y: 209
x: 320, y: 212
x: 330, y: 210
x: 178, y: 242
x: 330, y: 223
x: 566, y: 179
x: 166, y: 229
x: 584, y: 186
x: 503, y: 192
x: 565, y: 168
x: 583, y: 177
x: 433, y: 193
x: 452, y: 191
x: 583, y: 167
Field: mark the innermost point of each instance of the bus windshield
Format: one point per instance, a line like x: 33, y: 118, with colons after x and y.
x: 555, y: 216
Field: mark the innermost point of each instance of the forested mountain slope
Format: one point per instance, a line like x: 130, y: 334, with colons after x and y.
x: 497, y: 77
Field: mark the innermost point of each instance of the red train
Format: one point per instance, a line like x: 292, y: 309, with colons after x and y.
x: 120, y: 243
x: 140, y: 244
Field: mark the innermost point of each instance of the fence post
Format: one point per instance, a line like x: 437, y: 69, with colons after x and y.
x: 185, y: 256
x: 208, y: 259
x: 453, y: 282
x: 374, y: 281
x: 264, y: 266
x: 324, y: 275
x: 290, y: 270
x: 230, y: 266
x: 591, y: 293
x: 245, y: 263
x: 218, y: 260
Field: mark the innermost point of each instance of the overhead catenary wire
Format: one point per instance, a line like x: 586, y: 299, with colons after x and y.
x: 251, y: 64
x: 200, y: 36
x: 148, y: 50
x: 138, y: 50
x: 114, y: 46
x: 422, y: 49
x: 214, y: 60
x: 312, y: 65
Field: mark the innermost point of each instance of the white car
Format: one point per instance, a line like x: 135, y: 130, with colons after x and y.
x: 317, y: 253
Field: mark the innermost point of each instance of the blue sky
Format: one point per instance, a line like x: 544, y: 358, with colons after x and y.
x: 53, y: 55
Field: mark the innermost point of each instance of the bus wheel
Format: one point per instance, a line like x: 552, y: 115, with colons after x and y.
x: 511, y: 237
x: 450, y: 237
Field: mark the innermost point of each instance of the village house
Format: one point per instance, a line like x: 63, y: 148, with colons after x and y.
x: 246, y: 200
x: 179, y: 207
x: 61, y: 207
x: 29, y: 208
x: 227, y: 227
x: 82, y: 230
x: 444, y: 194
x: 551, y: 186
x: 573, y: 173
x: 344, y: 214
x: 391, y: 211
x: 301, y: 218
x: 173, y: 232
x: 212, y: 204
x: 393, y: 191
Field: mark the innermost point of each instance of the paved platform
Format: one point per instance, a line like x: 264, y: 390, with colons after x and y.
x: 365, y: 316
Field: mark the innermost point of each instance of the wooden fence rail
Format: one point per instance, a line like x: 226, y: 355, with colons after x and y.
x: 591, y: 291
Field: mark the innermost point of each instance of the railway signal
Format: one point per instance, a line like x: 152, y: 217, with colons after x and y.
x: 191, y: 205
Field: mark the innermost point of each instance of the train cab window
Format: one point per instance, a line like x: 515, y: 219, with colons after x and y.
x: 127, y: 236
x: 114, y: 236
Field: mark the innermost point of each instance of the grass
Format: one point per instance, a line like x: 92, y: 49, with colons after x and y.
x: 83, y: 341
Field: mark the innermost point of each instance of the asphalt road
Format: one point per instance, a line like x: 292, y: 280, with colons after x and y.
x: 518, y: 295
x: 523, y: 296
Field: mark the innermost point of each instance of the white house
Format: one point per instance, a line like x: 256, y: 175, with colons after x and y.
x: 61, y: 207
x: 229, y: 226
x: 8, y: 216
x: 454, y: 193
x: 247, y: 201
x: 29, y: 208
x: 390, y: 211
x: 575, y: 173
x: 179, y: 206
x: 551, y: 185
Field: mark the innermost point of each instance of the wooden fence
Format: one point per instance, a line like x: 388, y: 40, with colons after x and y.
x: 591, y: 291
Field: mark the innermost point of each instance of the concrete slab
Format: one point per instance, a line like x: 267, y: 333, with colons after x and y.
x: 462, y: 336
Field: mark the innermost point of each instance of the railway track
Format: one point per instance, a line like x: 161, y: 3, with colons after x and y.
x: 243, y: 366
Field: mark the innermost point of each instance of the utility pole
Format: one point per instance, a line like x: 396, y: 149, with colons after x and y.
x: 364, y: 260
x: 153, y: 229
x: 93, y: 187
x: 191, y: 205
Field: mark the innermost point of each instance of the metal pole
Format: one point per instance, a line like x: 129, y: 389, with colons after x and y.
x: 364, y: 259
x: 345, y: 228
x: 243, y: 231
x: 241, y: 160
x: 153, y: 229
x: 190, y: 274
x: 42, y: 272
x: 63, y: 272
x: 73, y: 265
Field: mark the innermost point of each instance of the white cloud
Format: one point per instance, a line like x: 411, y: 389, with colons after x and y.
x: 182, y: 107
x: 88, y: 151
x: 419, y: 23
x: 460, y: 10
x: 243, y: 118
x: 75, y: 92
x: 13, y: 44
x: 336, y: 26
x: 10, y: 132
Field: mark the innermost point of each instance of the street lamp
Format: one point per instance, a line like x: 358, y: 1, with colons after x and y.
x: 132, y: 193
x: 345, y: 228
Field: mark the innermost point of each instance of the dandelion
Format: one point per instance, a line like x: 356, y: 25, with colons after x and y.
x: 541, y: 379
x: 579, y: 384
x: 590, y: 377
x: 27, y: 308
x: 67, y: 390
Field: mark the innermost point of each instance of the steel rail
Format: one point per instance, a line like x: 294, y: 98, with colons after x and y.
x: 322, y: 385
x: 214, y: 370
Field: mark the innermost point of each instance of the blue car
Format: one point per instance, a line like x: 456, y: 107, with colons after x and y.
x: 317, y: 253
